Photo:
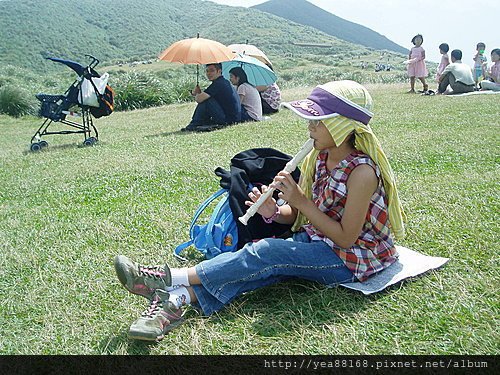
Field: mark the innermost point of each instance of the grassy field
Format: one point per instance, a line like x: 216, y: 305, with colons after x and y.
x: 67, y: 211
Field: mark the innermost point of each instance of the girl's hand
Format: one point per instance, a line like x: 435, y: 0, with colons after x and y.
x: 268, y: 208
x: 290, y: 190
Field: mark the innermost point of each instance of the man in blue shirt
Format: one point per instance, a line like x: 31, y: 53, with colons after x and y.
x: 218, y: 105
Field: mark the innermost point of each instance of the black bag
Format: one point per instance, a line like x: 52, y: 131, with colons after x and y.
x: 106, y: 103
x: 253, y: 168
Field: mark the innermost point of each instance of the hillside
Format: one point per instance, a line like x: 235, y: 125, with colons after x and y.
x: 303, y: 12
x: 129, y: 30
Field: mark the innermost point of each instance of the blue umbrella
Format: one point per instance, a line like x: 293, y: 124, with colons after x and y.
x: 257, y: 72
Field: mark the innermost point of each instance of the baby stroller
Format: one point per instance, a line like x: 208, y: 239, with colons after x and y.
x: 94, y: 101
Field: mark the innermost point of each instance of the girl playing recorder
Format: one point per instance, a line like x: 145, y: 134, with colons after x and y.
x: 345, y: 211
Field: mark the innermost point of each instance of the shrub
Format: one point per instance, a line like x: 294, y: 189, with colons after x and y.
x: 136, y: 90
x: 179, y: 90
x: 286, y: 77
x: 15, y: 101
x: 352, y: 76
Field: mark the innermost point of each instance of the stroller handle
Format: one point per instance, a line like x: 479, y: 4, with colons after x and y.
x: 94, y: 62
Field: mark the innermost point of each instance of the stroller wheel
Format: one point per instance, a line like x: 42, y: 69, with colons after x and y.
x: 90, y: 141
x: 43, y: 144
x: 35, y: 147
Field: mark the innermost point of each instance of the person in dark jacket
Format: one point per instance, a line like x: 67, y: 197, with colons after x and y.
x: 218, y: 104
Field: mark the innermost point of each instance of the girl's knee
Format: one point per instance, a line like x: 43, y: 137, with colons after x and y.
x: 263, y: 249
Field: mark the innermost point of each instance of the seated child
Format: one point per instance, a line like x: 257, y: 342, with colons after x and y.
x: 345, y: 211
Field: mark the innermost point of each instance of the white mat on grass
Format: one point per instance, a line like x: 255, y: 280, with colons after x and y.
x: 409, y: 264
x: 487, y: 92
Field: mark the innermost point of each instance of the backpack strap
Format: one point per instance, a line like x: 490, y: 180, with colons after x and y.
x: 201, y: 208
x: 211, y: 223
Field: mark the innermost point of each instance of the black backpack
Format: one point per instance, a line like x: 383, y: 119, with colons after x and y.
x: 224, y: 232
x: 106, y: 103
x: 249, y: 168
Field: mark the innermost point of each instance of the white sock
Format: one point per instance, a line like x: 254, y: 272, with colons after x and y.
x: 179, y: 276
x: 180, y: 296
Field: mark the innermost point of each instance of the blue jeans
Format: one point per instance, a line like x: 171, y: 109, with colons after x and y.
x: 263, y: 263
x: 208, y: 112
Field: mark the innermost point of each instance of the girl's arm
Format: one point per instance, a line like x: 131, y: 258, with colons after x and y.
x: 240, y: 90
x: 361, y: 185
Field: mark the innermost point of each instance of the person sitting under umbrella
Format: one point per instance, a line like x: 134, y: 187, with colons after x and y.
x: 251, y: 107
x: 270, y: 98
x: 218, y: 105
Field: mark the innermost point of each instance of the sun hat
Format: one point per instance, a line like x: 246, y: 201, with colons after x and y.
x: 345, y: 108
x: 345, y: 98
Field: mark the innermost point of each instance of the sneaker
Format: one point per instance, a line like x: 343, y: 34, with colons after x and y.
x: 139, y: 279
x: 209, y: 128
x: 188, y: 128
x: 429, y: 92
x: 159, y: 318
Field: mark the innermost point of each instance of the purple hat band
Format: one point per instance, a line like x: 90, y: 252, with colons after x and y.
x: 322, y: 104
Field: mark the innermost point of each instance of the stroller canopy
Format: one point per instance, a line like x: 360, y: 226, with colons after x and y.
x: 78, y: 68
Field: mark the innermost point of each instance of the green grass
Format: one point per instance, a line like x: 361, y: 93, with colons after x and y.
x: 67, y: 211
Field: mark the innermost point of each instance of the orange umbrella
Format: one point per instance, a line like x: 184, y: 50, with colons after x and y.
x: 197, y: 51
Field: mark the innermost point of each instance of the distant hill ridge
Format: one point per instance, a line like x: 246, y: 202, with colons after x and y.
x: 305, y: 13
x: 128, y: 30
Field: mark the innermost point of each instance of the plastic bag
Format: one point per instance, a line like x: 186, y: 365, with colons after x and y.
x: 88, y: 95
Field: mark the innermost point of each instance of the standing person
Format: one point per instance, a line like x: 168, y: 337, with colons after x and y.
x: 445, y: 60
x: 270, y: 98
x: 345, y: 211
x: 251, y: 107
x: 416, y: 64
x: 457, y: 75
x: 480, y: 62
x: 218, y: 105
x: 493, y: 74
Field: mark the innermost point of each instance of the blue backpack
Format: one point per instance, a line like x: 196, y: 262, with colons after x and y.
x: 219, y: 235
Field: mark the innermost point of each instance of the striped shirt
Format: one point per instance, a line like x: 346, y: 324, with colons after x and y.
x: 374, y: 249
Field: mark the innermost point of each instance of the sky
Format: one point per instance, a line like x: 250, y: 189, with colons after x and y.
x: 460, y: 23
